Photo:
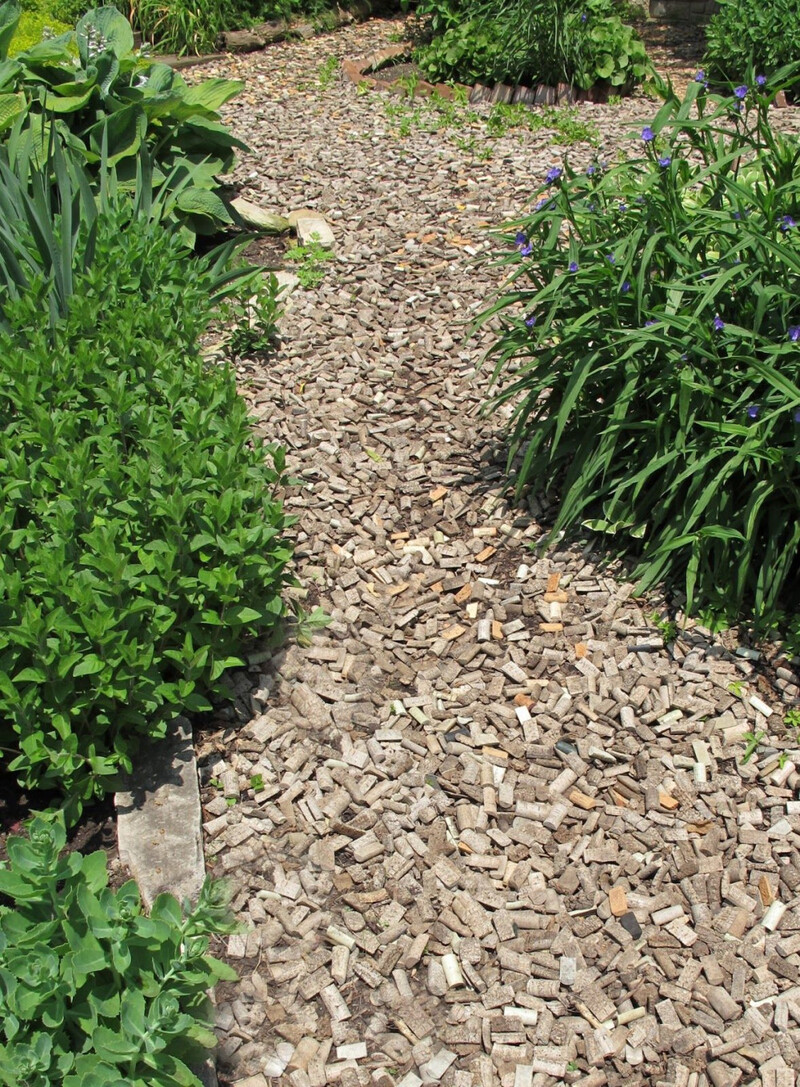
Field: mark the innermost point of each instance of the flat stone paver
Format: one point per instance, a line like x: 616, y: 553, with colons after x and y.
x: 486, y: 828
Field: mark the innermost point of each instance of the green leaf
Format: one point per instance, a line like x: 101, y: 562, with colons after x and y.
x: 12, y: 106
x: 9, y: 19
x: 204, y: 203
x: 212, y: 93
x: 121, y: 132
x: 103, y: 28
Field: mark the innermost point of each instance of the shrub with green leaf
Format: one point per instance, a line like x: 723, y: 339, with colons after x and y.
x: 140, y: 529
x: 649, y: 357
x: 580, y: 42
x: 747, y: 34
x: 94, y: 992
x: 106, y: 101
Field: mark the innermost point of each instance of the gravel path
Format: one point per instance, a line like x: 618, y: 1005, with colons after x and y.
x: 487, y: 828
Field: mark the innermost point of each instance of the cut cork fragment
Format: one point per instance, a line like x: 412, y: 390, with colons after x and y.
x: 580, y: 650
x: 485, y: 554
x: 463, y: 594
x: 667, y: 801
x: 581, y: 800
x: 437, y: 494
x: 454, y: 632
x: 497, y: 630
x: 618, y: 901
x: 551, y: 628
x: 552, y: 582
x: 765, y: 891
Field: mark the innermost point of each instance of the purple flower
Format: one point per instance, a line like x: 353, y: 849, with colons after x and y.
x: 573, y: 266
x: 718, y: 323
x: 794, y: 333
x: 648, y: 134
x: 648, y: 324
x: 664, y: 160
x: 611, y: 258
x: 797, y: 416
x: 530, y: 321
x: 700, y: 77
x: 553, y: 174
x: 787, y: 222
x: 526, y: 250
x: 520, y: 240
x: 623, y: 207
x: 625, y: 287
x: 740, y: 92
x: 584, y: 17
x: 761, y: 80
x: 541, y: 204
x: 590, y: 170
x: 737, y: 215
x: 753, y: 410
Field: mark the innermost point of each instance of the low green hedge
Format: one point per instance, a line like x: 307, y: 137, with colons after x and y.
x: 751, y: 36
x: 140, y: 531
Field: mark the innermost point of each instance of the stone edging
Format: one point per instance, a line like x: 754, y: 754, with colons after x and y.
x: 541, y: 95
x: 159, y: 827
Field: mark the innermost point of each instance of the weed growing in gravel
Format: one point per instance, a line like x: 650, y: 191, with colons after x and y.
x: 667, y: 627
x: 310, y: 261
x: 327, y: 72
x: 253, y: 317
x: 753, y: 740
x: 439, y: 114
x: 308, y: 623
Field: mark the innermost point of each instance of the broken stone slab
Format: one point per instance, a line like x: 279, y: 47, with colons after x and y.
x: 259, y: 218
x: 312, y: 228
x: 158, y: 818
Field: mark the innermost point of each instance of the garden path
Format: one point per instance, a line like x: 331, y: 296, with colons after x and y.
x: 486, y: 828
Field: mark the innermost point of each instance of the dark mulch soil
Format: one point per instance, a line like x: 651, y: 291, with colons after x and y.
x: 95, y: 830
x: 267, y: 252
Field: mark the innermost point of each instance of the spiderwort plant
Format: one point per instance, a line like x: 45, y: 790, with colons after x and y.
x: 657, y: 394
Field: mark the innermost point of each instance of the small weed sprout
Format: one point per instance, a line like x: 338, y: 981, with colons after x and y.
x: 310, y: 260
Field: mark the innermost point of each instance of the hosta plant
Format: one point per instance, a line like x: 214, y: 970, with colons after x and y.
x: 95, y: 992
x: 649, y: 358
x: 107, y: 101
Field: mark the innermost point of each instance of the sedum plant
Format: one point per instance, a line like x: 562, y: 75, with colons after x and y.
x: 106, y: 102
x: 96, y: 993
x: 649, y: 353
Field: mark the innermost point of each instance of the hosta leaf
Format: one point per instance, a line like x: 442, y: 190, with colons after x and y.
x: 202, y: 202
x: 103, y: 28
x: 9, y: 19
x: 123, y: 130
x: 212, y: 93
x: 12, y: 106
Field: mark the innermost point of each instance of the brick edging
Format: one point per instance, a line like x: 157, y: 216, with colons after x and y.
x: 540, y: 95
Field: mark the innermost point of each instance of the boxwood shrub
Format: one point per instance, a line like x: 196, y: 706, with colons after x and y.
x: 141, y: 535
